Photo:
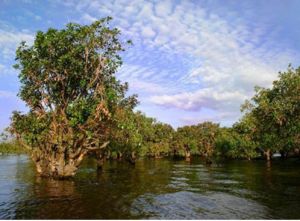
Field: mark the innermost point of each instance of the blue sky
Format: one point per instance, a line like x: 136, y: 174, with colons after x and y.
x: 191, y: 60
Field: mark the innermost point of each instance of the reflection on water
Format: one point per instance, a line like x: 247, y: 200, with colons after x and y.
x: 181, y: 204
x: 153, y: 189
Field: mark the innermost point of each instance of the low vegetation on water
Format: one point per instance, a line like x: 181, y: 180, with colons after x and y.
x: 77, y: 107
x: 11, y: 147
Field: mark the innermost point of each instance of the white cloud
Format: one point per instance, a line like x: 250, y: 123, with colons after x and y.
x: 2, y: 68
x: 203, y: 98
x: 131, y: 71
x: 13, y: 38
x: 147, y: 32
x: 214, y: 117
x: 7, y: 94
x: 5, y: 70
x: 146, y: 86
x: 227, y: 54
x: 88, y: 18
x: 163, y: 8
x: 9, y: 40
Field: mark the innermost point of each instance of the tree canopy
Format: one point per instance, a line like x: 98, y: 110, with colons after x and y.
x: 273, y: 114
x: 78, y: 106
x: 68, y: 82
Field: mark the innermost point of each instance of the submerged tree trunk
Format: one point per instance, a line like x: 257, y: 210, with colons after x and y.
x: 100, y: 160
x: 108, y: 155
x: 157, y: 155
x: 119, y: 155
x: 132, y: 157
x: 207, y: 158
x: 174, y: 152
x: 56, y: 165
x: 187, y: 153
x: 283, y: 154
x: 268, y: 154
x: 60, y: 162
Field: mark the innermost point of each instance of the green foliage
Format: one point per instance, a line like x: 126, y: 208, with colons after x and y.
x: 232, y: 144
x: 159, y: 141
x: 76, y: 103
x: 134, y: 132
x: 125, y: 136
x: 68, y: 82
x: 67, y: 78
x: 274, y: 114
x: 270, y: 122
x: 198, y: 139
x: 11, y: 147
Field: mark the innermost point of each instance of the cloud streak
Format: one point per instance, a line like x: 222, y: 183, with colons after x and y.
x: 191, y: 60
x: 203, y: 98
x: 9, y: 40
x: 224, y: 56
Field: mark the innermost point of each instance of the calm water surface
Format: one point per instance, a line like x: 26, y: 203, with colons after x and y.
x: 153, y: 189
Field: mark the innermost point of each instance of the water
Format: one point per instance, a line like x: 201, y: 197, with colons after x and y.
x: 153, y: 189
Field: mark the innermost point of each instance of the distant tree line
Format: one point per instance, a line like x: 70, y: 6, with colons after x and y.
x: 270, y: 124
x: 77, y: 107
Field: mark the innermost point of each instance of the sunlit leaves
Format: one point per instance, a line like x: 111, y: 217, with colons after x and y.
x: 274, y: 114
x: 68, y: 82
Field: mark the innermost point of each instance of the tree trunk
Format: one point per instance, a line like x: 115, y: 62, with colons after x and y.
x: 132, y: 157
x: 108, y: 155
x: 157, y: 155
x: 268, y: 154
x: 57, y: 165
x: 174, y: 152
x: 119, y: 155
x: 100, y: 161
x: 58, y: 162
x: 283, y: 154
x: 187, y: 154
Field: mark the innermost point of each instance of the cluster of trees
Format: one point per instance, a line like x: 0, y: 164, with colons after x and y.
x: 270, y: 124
x: 11, y: 147
x: 144, y: 136
x: 68, y: 83
x: 77, y: 107
x: 272, y: 117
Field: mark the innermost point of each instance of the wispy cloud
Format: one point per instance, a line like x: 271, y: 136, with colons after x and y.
x: 227, y: 55
x: 147, y: 86
x: 9, y: 40
x: 188, y: 56
x: 7, y: 94
x: 211, y: 116
x: 88, y: 18
x: 6, y: 70
x: 203, y: 98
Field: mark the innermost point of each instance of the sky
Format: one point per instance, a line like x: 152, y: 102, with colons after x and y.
x: 190, y: 62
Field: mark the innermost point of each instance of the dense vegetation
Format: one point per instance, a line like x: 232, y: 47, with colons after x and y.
x: 68, y: 83
x: 11, y: 147
x: 270, y: 124
x: 78, y: 108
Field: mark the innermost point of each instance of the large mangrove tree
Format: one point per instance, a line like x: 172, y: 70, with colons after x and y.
x: 68, y: 83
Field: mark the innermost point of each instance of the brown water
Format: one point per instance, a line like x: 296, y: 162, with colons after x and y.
x: 153, y: 189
